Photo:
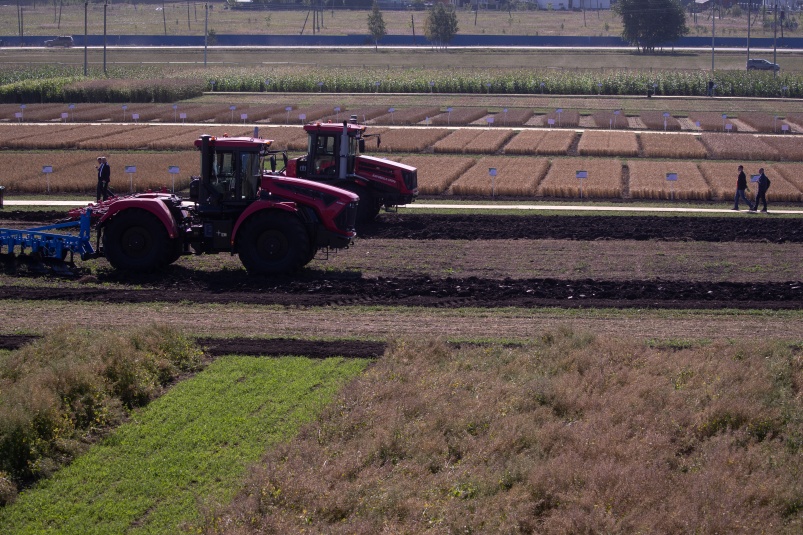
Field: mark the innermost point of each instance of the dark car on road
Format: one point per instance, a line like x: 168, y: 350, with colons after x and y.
x: 62, y: 40
x: 762, y: 65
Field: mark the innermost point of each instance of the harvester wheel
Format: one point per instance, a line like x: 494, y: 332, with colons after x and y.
x: 136, y: 240
x: 273, y: 243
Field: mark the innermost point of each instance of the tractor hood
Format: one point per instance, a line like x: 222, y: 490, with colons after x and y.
x: 283, y: 186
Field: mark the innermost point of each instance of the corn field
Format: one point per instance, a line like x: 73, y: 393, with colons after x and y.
x: 165, y: 84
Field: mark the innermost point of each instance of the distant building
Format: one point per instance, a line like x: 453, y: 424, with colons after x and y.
x: 559, y: 5
x: 556, y: 5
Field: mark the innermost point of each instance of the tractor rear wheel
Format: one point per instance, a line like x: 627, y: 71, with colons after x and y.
x: 135, y: 240
x: 272, y: 243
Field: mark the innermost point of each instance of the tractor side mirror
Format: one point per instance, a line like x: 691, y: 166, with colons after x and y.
x: 284, y: 158
x: 272, y: 163
x: 361, y: 145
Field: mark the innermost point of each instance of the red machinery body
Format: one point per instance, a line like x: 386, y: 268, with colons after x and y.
x: 276, y: 224
x: 333, y: 158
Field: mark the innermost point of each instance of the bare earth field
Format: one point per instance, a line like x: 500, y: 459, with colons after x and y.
x: 463, y: 276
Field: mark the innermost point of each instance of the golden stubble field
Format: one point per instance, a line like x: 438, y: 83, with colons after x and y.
x: 530, y: 161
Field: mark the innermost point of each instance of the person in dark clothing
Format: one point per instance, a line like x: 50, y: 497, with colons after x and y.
x: 104, y: 176
x: 741, y: 186
x: 761, y: 195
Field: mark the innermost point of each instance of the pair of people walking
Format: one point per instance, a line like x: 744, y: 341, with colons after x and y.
x: 761, y: 194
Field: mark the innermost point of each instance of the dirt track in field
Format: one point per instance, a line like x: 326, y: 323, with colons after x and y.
x: 258, y: 347
x: 322, y: 288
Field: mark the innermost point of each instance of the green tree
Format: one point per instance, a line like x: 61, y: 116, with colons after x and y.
x: 376, y: 24
x: 440, y: 25
x: 650, y: 23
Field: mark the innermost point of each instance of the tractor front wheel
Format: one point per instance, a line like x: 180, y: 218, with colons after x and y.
x: 273, y: 243
x: 135, y: 240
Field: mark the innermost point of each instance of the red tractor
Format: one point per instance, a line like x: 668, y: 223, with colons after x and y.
x: 275, y: 224
x: 332, y: 158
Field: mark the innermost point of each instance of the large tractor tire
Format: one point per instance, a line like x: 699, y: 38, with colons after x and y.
x: 135, y: 240
x: 273, y: 243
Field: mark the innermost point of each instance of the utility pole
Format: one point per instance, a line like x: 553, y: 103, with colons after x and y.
x: 713, y: 28
x: 206, y: 30
x: 20, y: 23
x: 775, y: 40
x: 749, y: 16
x: 105, y: 5
x: 86, y: 8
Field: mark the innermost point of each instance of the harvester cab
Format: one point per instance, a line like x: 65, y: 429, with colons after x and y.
x: 334, y: 157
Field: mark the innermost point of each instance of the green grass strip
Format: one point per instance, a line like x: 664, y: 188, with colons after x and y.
x: 188, y: 448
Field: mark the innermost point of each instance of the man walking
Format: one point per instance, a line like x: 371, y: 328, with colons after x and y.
x: 104, y: 176
x: 761, y: 195
x: 741, y: 186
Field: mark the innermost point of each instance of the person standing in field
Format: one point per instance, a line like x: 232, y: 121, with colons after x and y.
x: 741, y: 187
x: 761, y: 195
x: 104, y: 176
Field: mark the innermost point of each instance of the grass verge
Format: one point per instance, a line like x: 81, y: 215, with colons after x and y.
x: 185, y: 451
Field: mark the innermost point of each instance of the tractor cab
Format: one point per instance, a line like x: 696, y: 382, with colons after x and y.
x: 231, y: 172
x: 332, y: 150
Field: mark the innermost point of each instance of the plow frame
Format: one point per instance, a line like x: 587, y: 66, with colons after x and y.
x: 51, y: 246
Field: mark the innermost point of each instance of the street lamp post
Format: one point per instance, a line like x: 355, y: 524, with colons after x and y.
x: 749, y: 17
x: 86, y: 8
x: 713, y: 28
x: 105, y: 5
x: 775, y: 40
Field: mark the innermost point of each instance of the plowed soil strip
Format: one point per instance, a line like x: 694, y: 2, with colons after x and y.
x: 455, y: 293
x: 272, y: 347
x: 404, y: 226
x: 585, y: 228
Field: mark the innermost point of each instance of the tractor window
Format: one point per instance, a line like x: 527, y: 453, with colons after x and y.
x: 222, y: 179
x: 353, y: 146
x: 323, y: 150
x: 251, y: 174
